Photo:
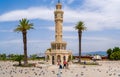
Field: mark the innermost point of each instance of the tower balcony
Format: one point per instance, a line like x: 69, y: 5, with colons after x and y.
x: 58, y: 11
x: 58, y: 45
x: 58, y: 19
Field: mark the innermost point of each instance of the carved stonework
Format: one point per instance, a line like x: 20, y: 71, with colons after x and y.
x: 58, y: 50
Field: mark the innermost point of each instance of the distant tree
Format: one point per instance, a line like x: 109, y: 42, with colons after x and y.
x: 23, y: 27
x: 89, y: 54
x: 109, y: 52
x: 80, y: 27
x: 11, y: 56
x: 19, y: 58
x: 116, y: 49
x: 3, y: 56
x: 69, y: 57
x: 33, y: 57
x: 73, y: 57
x: 114, y: 54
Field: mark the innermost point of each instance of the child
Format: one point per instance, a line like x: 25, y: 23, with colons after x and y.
x: 60, y: 66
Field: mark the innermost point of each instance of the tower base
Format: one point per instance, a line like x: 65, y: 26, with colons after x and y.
x: 57, y: 56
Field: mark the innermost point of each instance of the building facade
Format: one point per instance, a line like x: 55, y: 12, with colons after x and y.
x: 57, y: 52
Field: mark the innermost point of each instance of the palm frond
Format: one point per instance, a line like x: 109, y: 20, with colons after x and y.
x: 80, y: 26
x: 24, y: 25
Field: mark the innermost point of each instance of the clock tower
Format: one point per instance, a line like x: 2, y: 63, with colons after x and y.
x: 57, y: 52
x: 58, y: 14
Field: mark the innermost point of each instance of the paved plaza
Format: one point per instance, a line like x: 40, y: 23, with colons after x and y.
x: 105, y: 69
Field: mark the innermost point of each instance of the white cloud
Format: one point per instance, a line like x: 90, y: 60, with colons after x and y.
x: 101, y: 44
x: 99, y: 39
x: 70, y: 37
x: 68, y: 28
x: 65, y: 28
x: 98, y: 15
x: 93, y: 20
x: 92, y: 38
x: 108, y: 10
x: 70, y: 1
x: 92, y: 43
x: 6, y: 30
x: 30, y: 13
x: 16, y: 46
x: 16, y: 41
x: 11, y: 41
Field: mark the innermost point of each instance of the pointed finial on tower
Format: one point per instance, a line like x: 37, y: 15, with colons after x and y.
x: 58, y: 1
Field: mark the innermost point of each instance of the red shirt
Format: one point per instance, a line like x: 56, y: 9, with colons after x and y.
x: 64, y: 62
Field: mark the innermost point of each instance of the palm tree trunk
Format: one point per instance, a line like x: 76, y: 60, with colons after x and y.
x: 80, y: 36
x: 20, y: 63
x: 25, y: 47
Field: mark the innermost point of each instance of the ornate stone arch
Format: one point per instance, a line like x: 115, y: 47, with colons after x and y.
x: 48, y: 57
x: 53, y: 59
x: 59, y: 58
x: 64, y: 58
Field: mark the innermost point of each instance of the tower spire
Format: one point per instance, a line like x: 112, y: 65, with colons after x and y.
x: 58, y: 1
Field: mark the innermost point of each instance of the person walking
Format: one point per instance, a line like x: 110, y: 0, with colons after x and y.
x: 64, y: 64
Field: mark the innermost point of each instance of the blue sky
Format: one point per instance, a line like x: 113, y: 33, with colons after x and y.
x: 101, y: 17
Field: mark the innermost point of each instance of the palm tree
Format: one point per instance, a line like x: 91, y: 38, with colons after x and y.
x: 19, y: 58
x: 23, y: 26
x: 80, y: 27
